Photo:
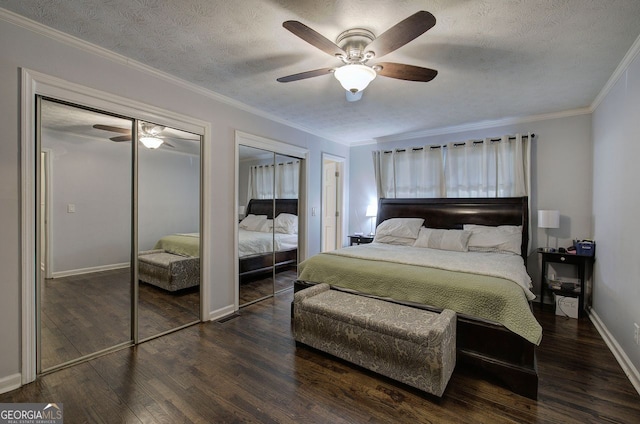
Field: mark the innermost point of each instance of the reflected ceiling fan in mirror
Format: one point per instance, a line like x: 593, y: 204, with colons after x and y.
x: 355, y: 47
x: 150, y: 135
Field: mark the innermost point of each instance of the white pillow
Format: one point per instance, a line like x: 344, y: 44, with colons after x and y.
x: 286, y: 223
x: 400, y: 227
x: 253, y: 222
x: 404, y: 241
x: 456, y: 240
x: 501, y: 239
x: 402, y: 231
x: 267, y: 226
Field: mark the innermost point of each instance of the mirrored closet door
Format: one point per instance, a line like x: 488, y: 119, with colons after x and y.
x: 287, y: 186
x: 255, y: 227
x: 112, y: 213
x: 268, y: 223
x: 168, y: 229
x: 85, y: 234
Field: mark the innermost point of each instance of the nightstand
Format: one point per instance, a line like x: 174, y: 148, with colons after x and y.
x: 359, y: 239
x: 582, y: 290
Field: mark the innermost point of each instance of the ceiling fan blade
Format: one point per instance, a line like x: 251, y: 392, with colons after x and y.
x: 406, y: 72
x: 164, y: 143
x: 121, y: 138
x: 401, y: 33
x: 305, y: 75
x: 112, y: 128
x: 314, y: 38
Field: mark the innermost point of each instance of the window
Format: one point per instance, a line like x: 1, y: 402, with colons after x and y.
x: 483, y: 168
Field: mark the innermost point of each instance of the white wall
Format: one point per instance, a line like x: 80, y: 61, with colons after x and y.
x: 168, y: 195
x: 21, y: 47
x: 95, y: 177
x: 616, y: 211
x: 560, y: 178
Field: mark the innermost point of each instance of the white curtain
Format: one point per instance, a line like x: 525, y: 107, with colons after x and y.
x: 264, y: 184
x: 385, y: 175
x: 484, y: 168
x: 419, y: 172
x: 470, y: 169
x: 287, y: 180
x: 416, y: 172
x: 261, y: 182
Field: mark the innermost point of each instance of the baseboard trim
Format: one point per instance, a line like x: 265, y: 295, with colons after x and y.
x: 221, y: 313
x: 89, y: 270
x: 627, y: 366
x: 10, y: 382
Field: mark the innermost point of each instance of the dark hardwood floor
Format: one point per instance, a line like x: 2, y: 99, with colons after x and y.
x: 259, y: 288
x: 86, y: 313
x: 248, y: 369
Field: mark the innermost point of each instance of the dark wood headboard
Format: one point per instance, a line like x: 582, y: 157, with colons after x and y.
x: 452, y: 213
x: 266, y: 207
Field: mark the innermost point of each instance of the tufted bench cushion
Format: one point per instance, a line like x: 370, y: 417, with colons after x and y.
x: 414, y: 346
x: 168, y: 271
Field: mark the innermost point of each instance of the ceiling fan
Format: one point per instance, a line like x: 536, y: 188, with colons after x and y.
x: 355, y: 47
x: 149, y: 134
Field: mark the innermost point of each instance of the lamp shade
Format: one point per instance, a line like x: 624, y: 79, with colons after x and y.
x: 372, y: 210
x: 548, y: 219
x: 354, y: 77
x: 151, y: 142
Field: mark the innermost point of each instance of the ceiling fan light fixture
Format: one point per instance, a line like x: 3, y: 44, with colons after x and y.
x: 353, y: 97
x: 355, y: 77
x: 151, y: 142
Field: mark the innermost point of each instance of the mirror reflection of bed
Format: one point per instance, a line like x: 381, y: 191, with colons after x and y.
x: 268, y: 224
x: 268, y: 247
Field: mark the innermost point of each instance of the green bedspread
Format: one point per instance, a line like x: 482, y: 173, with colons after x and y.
x: 180, y: 244
x: 492, y: 298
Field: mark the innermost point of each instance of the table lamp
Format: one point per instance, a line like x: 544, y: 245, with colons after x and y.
x: 372, y: 211
x: 548, y: 219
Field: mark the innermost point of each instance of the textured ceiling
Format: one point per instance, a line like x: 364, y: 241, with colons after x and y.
x: 496, y: 58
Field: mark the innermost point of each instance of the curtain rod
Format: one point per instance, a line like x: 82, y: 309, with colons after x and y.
x: 280, y: 163
x: 493, y: 140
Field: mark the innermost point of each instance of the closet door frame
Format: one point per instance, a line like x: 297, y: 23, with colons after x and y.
x: 34, y: 84
x: 277, y: 147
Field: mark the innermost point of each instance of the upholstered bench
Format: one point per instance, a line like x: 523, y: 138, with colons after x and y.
x: 413, y: 346
x: 168, y: 271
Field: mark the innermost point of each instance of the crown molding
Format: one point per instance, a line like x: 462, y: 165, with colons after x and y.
x: 620, y: 70
x: 362, y: 142
x: 483, y: 125
x: 54, y: 34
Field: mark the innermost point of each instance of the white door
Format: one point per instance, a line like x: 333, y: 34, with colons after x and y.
x: 45, y: 215
x: 44, y: 266
x: 331, y: 205
x: 329, y: 218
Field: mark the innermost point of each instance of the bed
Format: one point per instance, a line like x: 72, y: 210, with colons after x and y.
x: 505, y: 351
x: 256, y: 254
